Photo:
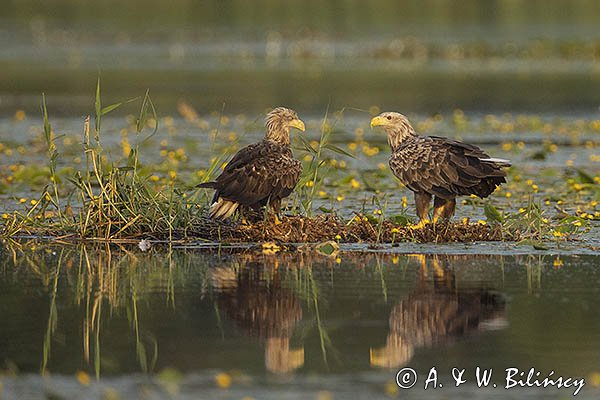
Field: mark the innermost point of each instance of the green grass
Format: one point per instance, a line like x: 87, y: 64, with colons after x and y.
x: 110, y: 198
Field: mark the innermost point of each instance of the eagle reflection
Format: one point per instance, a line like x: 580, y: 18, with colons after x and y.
x: 436, y: 311
x: 253, y: 296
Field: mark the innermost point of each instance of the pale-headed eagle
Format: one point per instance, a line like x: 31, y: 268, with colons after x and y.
x: 261, y: 173
x: 441, y: 167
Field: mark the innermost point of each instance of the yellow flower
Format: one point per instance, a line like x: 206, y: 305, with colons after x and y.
x: 521, y: 210
x: 223, y: 380
x: 404, y: 202
x: 508, y: 194
x: 310, y: 183
x: 481, y: 222
x: 395, y: 230
x: 594, y: 378
x: 355, y: 184
x: 33, y: 202
x: 83, y: 378
x: 338, y: 237
x: 154, y: 178
x: 507, y: 146
x: 558, y: 234
x: 338, y: 260
x: 172, y: 175
x: 339, y: 197
x: 557, y: 262
x: 126, y: 147
x: 20, y: 115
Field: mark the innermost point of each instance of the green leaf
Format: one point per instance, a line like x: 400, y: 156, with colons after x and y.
x: 328, y: 248
x: 338, y: 150
x: 492, y: 213
x: 400, y: 219
x: 110, y: 108
x: 307, y: 146
x: 98, y: 102
x: 584, y: 177
x: 536, y: 244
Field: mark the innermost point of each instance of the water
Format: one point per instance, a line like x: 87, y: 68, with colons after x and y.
x: 158, y: 324
x: 518, y: 78
x: 504, y: 56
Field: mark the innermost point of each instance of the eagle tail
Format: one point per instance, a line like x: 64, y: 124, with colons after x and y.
x: 498, y: 161
x: 222, y: 209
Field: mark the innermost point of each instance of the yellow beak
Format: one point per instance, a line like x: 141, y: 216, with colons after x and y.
x: 298, y: 124
x: 378, y: 121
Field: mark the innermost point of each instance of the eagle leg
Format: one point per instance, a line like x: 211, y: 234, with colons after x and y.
x: 276, y: 207
x: 443, y: 208
x: 422, y: 201
x: 438, y: 270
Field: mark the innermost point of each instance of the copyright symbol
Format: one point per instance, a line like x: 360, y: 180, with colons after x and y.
x: 406, y: 378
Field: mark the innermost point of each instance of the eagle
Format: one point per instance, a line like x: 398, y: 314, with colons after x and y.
x: 261, y: 173
x: 438, y: 312
x: 438, y: 167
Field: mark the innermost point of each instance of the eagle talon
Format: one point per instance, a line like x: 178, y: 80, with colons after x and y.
x: 421, y: 224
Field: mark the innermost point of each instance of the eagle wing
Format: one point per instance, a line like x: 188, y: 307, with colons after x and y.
x: 257, y: 173
x: 446, y: 168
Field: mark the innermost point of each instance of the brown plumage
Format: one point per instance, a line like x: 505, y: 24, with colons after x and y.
x: 436, y: 313
x: 261, y: 173
x: 253, y: 296
x: 441, y: 167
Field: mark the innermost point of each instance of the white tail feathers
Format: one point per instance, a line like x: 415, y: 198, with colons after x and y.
x: 222, y: 209
x: 496, y: 160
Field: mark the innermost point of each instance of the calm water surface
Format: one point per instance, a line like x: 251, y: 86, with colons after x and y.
x: 191, y: 324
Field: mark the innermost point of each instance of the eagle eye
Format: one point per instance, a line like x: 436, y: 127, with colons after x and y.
x: 389, y: 117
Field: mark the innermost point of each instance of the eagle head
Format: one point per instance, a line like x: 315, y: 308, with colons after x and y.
x: 278, y: 123
x: 395, y: 125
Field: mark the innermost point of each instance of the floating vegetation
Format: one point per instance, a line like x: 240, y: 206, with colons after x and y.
x: 344, y: 196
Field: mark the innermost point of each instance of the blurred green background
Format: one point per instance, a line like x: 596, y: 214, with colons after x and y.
x: 414, y: 56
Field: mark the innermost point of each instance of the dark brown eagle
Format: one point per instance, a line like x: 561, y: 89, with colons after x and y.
x: 441, y: 167
x: 254, y: 297
x: 261, y: 173
x: 436, y: 313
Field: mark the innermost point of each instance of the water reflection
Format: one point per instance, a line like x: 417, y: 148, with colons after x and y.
x: 115, y: 310
x: 253, y: 296
x: 436, y: 312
